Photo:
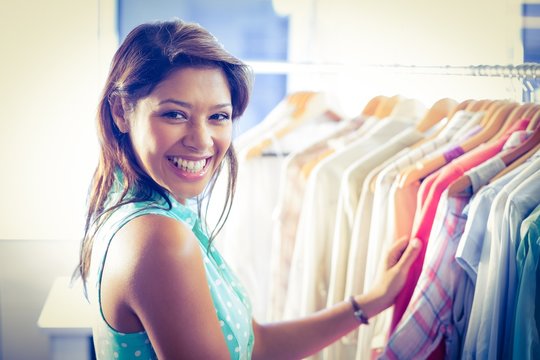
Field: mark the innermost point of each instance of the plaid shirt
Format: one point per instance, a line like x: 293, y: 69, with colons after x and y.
x: 429, y: 316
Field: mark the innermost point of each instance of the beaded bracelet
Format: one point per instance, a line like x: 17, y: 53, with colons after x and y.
x: 358, y: 312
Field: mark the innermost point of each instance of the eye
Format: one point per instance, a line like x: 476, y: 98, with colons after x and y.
x: 175, y: 115
x: 220, y: 117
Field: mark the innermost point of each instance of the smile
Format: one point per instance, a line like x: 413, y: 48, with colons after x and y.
x: 187, y: 165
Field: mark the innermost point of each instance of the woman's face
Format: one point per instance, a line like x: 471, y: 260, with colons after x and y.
x: 181, y: 131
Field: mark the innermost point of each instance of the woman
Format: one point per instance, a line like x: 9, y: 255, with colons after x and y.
x: 159, y: 287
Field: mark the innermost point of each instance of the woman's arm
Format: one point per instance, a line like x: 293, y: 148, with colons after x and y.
x: 296, y: 339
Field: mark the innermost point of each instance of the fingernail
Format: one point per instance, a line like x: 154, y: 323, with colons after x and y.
x: 415, y: 243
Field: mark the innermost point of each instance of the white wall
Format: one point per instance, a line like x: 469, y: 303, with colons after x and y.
x: 53, y: 61
x: 51, y: 71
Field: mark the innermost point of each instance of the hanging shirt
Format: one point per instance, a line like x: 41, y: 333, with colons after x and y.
x: 248, y: 244
x: 429, y: 317
x: 287, y: 212
x: 341, y: 253
x: 526, y: 344
x: 485, y: 311
x: 470, y: 246
x: 230, y: 301
x: 287, y: 111
x: 317, y: 230
x: 480, y: 175
x: 359, y: 217
x: 394, y: 207
x: 498, y: 308
x: 449, y: 153
x: 407, y: 201
x: 436, y: 311
x: 446, y: 176
x: 381, y: 229
x: 308, y: 283
x: 352, y: 180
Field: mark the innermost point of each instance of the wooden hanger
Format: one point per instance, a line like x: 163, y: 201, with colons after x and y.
x: 371, y: 107
x: 518, y: 114
x: 463, y: 184
x: 477, y: 105
x: 300, y: 102
x: 460, y: 106
x: 441, y: 109
x: 429, y: 165
x: 496, y: 119
x: 534, y: 114
x: 472, y: 106
x: 491, y: 109
x: 488, y: 104
x: 527, y: 111
x: 386, y: 106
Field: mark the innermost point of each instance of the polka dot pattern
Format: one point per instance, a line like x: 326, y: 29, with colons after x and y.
x: 230, y: 300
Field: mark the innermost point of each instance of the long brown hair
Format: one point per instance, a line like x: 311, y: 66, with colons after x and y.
x: 149, y: 53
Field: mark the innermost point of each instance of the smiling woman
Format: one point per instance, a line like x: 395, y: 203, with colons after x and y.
x: 165, y: 127
x: 158, y: 286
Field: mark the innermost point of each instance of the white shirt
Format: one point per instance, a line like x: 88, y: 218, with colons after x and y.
x: 353, y: 179
x: 292, y: 183
x: 308, y: 283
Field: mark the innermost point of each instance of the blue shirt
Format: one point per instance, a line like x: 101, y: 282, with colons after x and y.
x: 526, y: 339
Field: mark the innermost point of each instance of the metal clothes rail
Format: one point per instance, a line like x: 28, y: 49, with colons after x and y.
x: 522, y: 71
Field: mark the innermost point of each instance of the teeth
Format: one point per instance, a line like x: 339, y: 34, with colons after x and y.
x: 187, y: 165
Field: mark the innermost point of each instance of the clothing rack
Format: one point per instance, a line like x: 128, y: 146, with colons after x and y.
x: 529, y: 71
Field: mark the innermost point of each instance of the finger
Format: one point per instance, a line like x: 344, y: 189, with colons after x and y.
x: 410, y: 254
x: 397, y: 250
x: 400, y: 244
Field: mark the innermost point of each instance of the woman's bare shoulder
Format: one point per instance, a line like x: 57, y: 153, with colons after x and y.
x: 157, y: 272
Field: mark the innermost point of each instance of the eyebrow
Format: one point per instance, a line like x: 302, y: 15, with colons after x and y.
x: 189, y: 106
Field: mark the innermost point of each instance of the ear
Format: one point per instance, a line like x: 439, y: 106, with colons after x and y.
x: 119, y: 114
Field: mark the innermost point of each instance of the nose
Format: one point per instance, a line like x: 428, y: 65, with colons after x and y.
x: 198, y: 137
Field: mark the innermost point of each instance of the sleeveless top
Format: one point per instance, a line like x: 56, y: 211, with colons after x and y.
x: 230, y: 300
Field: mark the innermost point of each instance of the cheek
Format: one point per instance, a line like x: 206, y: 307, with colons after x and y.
x: 223, y: 139
x: 146, y: 143
x: 143, y: 146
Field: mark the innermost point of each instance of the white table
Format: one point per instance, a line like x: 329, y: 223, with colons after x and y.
x: 66, y: 318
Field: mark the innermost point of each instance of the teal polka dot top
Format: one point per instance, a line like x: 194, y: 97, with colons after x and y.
x: 230, y: 300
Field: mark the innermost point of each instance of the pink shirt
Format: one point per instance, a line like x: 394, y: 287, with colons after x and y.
x: 445, y: 177
x: 409, y: 200
x: 451, y: 153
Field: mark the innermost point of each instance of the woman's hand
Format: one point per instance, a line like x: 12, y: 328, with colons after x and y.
x: 301, y: 338
x: 398, y: 262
